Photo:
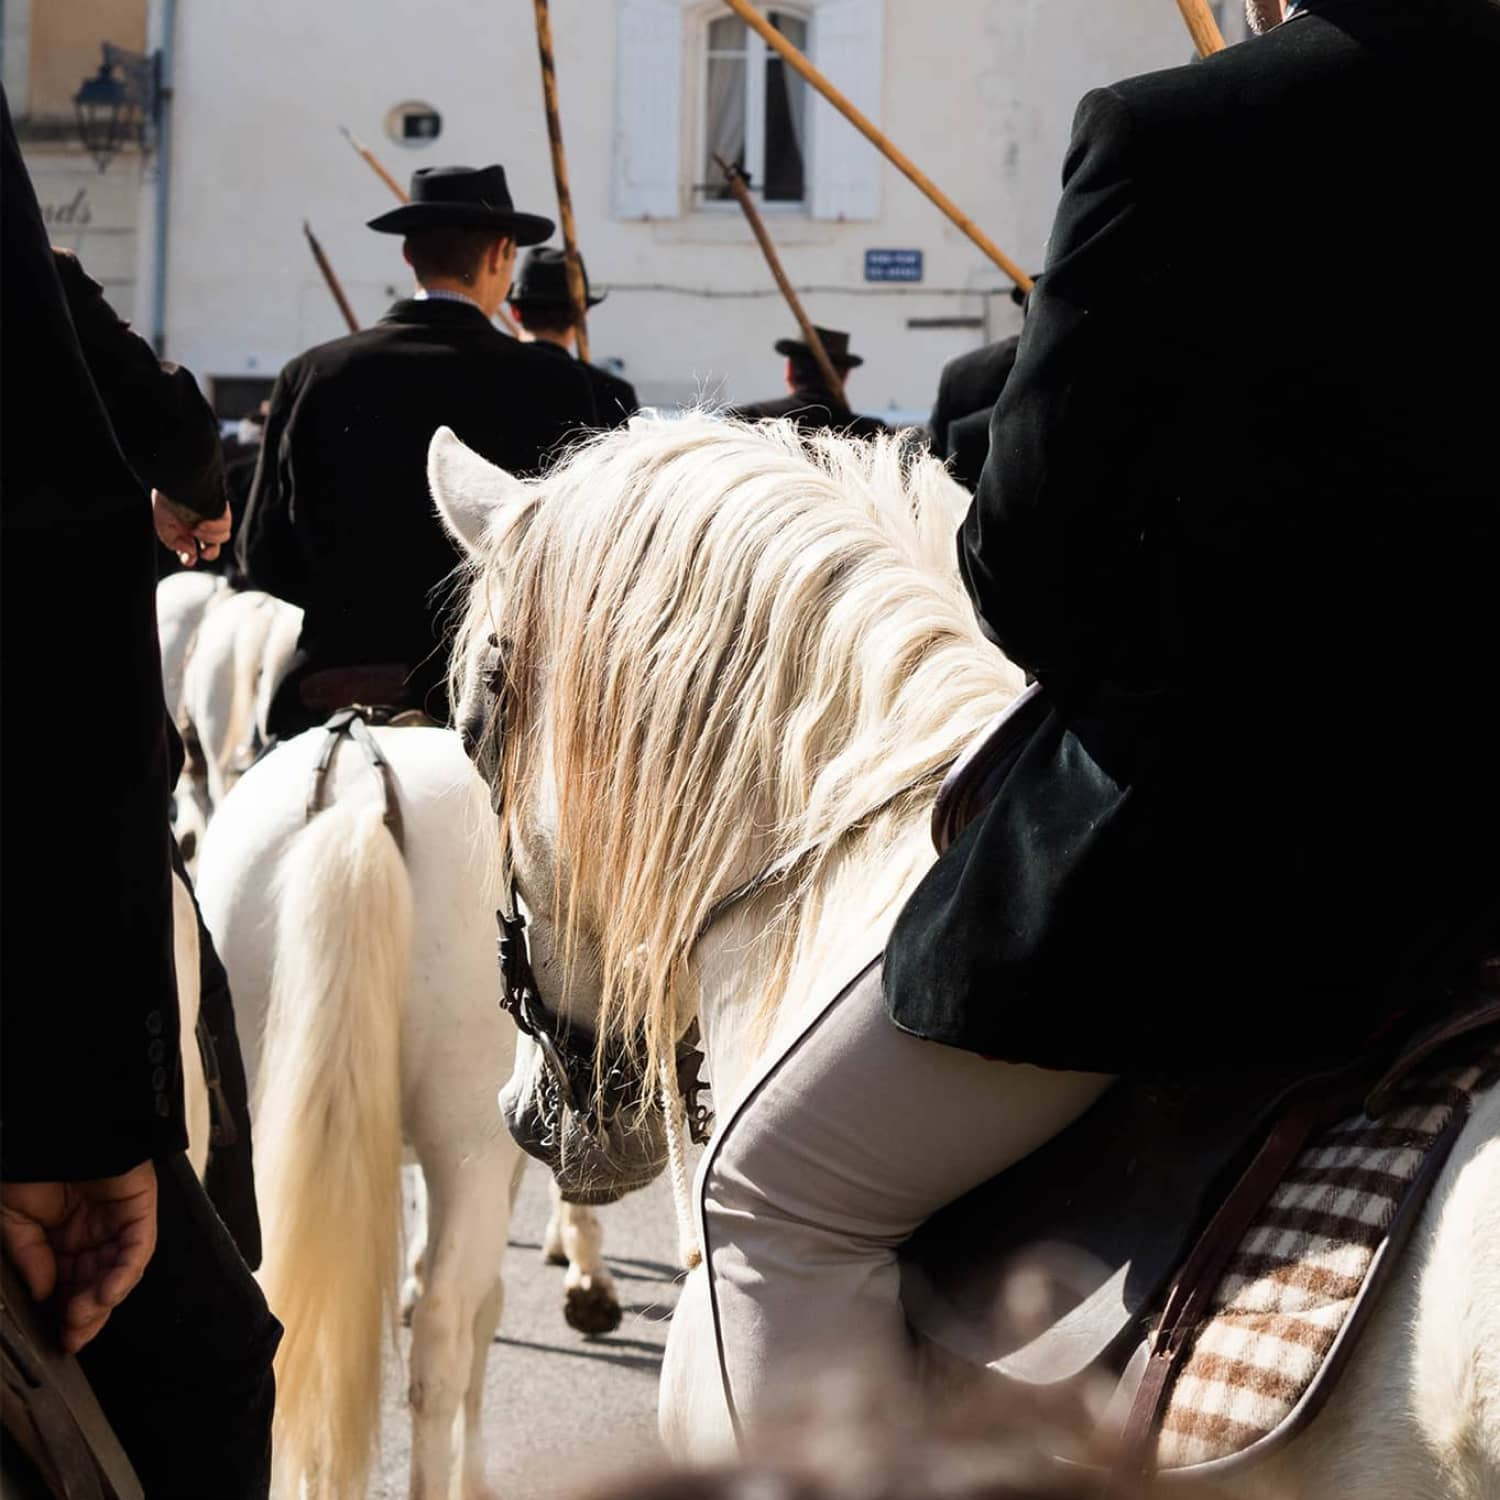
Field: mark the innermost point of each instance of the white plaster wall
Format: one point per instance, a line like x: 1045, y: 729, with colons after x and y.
x: 980, y: 93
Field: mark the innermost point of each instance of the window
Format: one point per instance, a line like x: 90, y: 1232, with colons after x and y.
x: 754, y: 109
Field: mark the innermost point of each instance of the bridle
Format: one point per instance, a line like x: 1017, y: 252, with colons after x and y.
x: 592, y: 1085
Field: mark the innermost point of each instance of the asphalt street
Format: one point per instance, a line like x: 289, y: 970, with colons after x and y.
x: 559, y: 1407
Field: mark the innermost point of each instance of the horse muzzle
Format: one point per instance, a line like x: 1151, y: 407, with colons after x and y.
x: 595, y: 1155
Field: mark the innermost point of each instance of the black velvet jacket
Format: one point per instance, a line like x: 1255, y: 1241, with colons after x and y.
x: 1251, y: 558
x: 89, y: 1077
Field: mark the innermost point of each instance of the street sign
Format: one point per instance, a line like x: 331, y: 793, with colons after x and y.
x: 893, y: 265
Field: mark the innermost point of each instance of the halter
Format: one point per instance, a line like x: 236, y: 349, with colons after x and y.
x: 569, y: 1063
x: 569, y: 1051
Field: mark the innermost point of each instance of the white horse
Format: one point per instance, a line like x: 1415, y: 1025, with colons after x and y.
x: 365, y: 984
x: 722, y: 656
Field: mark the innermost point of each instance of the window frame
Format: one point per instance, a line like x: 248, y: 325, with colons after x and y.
x: 756, y: 53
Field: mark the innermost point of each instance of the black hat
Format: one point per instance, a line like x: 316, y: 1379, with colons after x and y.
x: 543, y: 280
x: 835, y: 343
x: 463, y: 198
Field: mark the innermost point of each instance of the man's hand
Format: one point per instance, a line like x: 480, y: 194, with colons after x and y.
x: 187, y: 536
x: 87, y: 1242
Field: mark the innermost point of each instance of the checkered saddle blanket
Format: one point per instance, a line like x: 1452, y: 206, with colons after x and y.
x: 1294, y: 1293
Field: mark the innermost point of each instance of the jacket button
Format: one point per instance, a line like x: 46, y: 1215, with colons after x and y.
x: 156, y: 1051
x: 154, y: 1023
x: 158, y: 1079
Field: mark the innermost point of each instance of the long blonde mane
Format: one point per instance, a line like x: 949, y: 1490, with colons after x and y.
x: 725, y: 647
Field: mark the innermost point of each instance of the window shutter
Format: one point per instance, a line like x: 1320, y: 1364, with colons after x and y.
x: 647, y: 176
x: 846, y: 168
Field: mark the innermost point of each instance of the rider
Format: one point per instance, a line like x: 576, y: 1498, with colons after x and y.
x: 543, y: 307
x: 339, y: 519
x: 99, y: 1209
x: 1251, y: 563
x: 809, y: 402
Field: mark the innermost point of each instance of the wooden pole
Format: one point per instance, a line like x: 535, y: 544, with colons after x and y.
x: 1202, y: 27
x: 379, y: 169
x: 810, y: 337
x: 330, y: 277
x: 375, y: 164
x: 903, y: 163
x: 560, y: 176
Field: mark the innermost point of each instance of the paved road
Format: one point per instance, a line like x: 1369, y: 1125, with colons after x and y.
x: 558, y: 1405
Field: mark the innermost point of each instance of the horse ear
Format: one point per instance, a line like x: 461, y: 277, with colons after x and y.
x: 474, y: 498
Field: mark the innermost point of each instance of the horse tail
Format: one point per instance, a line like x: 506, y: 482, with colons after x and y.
x: 329, y: 1139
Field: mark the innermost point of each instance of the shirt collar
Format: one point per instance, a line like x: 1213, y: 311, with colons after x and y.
x: 442, y: 294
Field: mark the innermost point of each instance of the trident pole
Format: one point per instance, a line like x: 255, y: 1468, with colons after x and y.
x: 1202, y: 27
x: 330, y: 277
x: 773, y: 260
x: 882, y: 143
x: 560, y: 176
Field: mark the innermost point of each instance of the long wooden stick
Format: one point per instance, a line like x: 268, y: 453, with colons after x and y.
x: 1207, y: 37
x: 898, y: 158
x: 378, y: 167
x: 330, y: 277
x: 560, y: 176
x: 375, y: 164
x: 810, y: 336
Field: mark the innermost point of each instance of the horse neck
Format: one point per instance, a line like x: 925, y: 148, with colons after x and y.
x: 744, y: 1007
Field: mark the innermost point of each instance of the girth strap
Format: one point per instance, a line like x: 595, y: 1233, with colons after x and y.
x: 354, y: 723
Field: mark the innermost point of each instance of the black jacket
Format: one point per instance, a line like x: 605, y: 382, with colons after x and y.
x: 1250, y: 560
x: 89, y: 1076
x: 813, y: 409
x: 967, y: 391
x: 615, y: 400
x: 340, y: 521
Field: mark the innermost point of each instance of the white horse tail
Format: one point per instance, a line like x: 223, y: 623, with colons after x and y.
x: 328, y: 1141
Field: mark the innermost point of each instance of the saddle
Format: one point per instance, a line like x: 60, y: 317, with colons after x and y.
x: 1169, y: 1223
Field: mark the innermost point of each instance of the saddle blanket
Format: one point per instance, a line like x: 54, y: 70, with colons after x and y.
x: 1294, y: 1293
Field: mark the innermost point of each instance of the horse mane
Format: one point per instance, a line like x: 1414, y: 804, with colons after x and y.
x: 726, y: 646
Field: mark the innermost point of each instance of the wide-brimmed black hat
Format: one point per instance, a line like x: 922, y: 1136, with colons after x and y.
x: 463, y: 198
x: 543, y: 280
x: 835, y: 343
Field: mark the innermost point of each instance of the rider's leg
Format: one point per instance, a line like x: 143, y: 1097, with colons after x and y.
x: 855, y: 1137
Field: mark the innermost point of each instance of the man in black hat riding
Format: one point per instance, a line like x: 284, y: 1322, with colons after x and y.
x: 544, y: 308
x: 810, y: 404
x: 339, y: 519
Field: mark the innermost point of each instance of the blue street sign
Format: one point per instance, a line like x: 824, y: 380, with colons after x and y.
x: 893, y: 265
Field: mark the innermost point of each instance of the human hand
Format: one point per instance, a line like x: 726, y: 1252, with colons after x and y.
x: 188, y: 536
x: 88, y: 1242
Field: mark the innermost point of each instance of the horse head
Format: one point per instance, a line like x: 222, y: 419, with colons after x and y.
x: 577, y: 1099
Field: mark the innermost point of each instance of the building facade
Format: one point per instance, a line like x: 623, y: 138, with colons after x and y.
x: 979, y: 93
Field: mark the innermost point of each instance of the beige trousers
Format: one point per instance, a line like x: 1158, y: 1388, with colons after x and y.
x: 855, y: 1136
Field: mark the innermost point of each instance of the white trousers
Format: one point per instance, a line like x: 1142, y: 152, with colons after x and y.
x: 855, y: 1136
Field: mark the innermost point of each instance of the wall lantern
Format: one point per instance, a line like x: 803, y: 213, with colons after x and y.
x: 120, y: 104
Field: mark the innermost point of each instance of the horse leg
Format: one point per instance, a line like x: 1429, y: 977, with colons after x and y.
x: 486, y: 1322
x: 590, y: 1302
x: 468, y: 1220
x: 553, y: 1252
x: 415, y: 1196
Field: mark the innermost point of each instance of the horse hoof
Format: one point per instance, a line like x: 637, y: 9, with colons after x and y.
x: 592, y: 1310
x: 552, y: 1257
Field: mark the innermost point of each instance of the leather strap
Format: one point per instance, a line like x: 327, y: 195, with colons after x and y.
x: 50, y: 1411
x: 1315, y: 1105
x: 352, y: 723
